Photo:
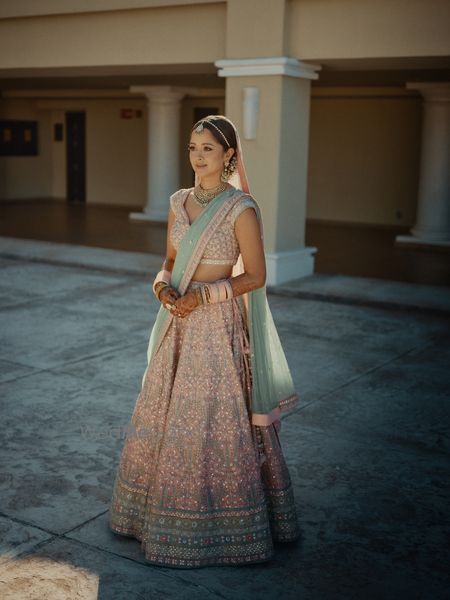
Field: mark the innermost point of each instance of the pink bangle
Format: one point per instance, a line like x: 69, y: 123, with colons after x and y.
x: 229, y: 288
x: 222, y: 291
x: 219, y: 291
x: 214, y: 293
x: 163, y: 275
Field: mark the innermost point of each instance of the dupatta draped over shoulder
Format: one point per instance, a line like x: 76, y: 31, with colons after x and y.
x: 272, y: 389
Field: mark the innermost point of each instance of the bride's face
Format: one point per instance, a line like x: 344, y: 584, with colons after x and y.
x: 207, y: 156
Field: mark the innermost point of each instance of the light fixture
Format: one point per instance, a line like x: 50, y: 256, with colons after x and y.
x: 250, y: 112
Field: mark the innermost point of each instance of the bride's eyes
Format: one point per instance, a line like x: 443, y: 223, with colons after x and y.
x: 190, y: 147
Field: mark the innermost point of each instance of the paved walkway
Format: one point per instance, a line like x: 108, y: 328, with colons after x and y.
x: 367, y: 449
x: 344, y: 289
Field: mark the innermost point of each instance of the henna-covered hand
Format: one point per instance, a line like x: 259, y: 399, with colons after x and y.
x: 184, y: 305
x: 169, y: 295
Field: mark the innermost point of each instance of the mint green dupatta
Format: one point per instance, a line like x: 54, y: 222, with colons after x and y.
x: 272, y: 386
x: 273, y: 389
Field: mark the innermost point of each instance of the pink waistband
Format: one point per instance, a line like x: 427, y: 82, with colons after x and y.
x: 195, y: 282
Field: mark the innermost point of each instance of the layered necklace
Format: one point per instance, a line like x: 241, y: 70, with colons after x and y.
x: 204, y: 197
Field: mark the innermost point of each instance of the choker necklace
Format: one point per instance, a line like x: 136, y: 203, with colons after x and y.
x: 204, y: 197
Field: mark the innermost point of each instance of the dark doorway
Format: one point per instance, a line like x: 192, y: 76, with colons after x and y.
x: 76, y: 156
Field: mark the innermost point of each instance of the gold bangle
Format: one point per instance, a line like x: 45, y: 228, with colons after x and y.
x: 208, y: 294
x: 198, y: 294
x: 203, y: 291
x: 159, y: 287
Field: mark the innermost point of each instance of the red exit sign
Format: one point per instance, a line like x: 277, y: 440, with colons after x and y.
x: 130, y: 113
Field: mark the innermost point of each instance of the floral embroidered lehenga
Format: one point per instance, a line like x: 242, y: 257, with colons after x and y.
x: 198, y: 483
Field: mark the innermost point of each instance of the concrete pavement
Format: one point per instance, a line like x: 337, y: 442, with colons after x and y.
x: 368, y: 447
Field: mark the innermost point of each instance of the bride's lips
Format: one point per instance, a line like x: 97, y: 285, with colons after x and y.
x: 200, y: 166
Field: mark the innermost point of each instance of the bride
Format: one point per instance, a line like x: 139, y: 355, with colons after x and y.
x: 202, y: 479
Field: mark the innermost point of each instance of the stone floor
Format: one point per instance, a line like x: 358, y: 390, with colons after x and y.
x: 368, y: 447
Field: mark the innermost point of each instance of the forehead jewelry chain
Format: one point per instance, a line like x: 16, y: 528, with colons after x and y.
x: 200, y: 128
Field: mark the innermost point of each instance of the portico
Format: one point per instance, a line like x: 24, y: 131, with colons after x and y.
x: 346, y: 144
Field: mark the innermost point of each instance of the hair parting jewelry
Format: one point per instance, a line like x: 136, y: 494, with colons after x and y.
x: 200, y: 128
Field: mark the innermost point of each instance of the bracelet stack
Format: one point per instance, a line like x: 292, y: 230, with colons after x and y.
x: 161, y: 281
x: 208, y: 293
x: 211, y: 293
x: 159, y: 287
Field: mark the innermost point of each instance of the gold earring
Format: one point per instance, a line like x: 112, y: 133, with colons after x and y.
x: 225, y: 175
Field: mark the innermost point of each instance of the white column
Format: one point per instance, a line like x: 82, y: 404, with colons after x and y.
x: 433, y: 208
x: 164, y: 104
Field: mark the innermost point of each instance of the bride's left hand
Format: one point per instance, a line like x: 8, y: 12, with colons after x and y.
x: 185, y: 304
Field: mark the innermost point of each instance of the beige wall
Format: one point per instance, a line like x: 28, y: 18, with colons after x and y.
x: 127, y: 37
x: 368, y: 28
x: 116, y: 152
x: 314, y: 30
x: 27, y: 8
x: 27, y: 176
x: 364, y: 155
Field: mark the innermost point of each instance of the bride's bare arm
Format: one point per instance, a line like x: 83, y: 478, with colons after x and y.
x: 248, y: 234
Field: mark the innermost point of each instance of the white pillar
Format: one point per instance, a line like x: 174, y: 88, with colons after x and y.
x: 433, y: 208
x: 276, y: 90
x: 164, y: 103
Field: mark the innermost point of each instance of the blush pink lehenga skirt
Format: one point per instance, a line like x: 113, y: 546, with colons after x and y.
x: 197, y: 483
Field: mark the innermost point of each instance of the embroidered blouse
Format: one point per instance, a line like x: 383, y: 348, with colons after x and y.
x: 223, y: 247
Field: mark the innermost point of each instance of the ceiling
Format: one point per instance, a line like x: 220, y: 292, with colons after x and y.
x: 345, y: 72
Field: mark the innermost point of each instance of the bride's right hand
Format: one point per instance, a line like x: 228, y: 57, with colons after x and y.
x: 168, y: 295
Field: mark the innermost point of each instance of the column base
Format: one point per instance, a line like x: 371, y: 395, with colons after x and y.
x: 416, y: 241
x: 290, y: 264
x: 152, y: 216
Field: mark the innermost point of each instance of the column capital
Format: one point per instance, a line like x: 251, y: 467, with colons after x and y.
x: 276, y: 65
x: 431, y: 90
x: 160, y: 93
